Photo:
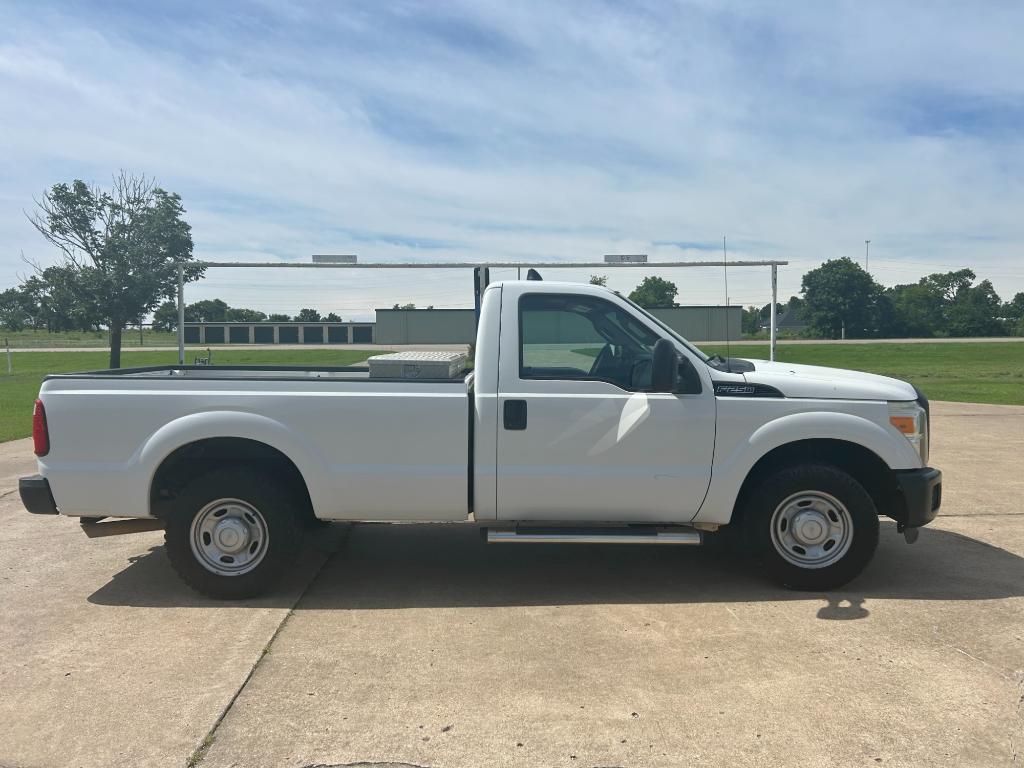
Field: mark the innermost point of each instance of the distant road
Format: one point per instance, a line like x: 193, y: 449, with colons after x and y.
x: 783, y: 342
x: 462, y: 347
x: 193, y: 349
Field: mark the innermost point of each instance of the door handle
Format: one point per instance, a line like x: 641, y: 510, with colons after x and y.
x: 515, y: 414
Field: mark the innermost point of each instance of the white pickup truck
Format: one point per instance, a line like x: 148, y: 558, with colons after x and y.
x: 584, y: 420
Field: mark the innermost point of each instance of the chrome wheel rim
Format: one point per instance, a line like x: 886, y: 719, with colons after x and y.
x: 812, y: 529
x: 229, y: 537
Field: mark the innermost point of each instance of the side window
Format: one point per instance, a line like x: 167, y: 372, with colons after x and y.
x: 565, y: 336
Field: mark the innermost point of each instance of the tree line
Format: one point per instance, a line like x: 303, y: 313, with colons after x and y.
x: 165, y: 318
x: 840, y: 299
x: 120, y: 250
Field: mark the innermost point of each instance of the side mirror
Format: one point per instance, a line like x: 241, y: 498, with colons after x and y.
x: 689, y: 380
x: 664, y: 366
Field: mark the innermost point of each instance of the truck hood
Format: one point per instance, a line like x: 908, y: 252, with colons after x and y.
x: 817, y: 381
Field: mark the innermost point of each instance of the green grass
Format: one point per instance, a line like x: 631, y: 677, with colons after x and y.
x: 961, y: 372
x: 28, y: 339
x: 965, y: 373
x: 19, y: 389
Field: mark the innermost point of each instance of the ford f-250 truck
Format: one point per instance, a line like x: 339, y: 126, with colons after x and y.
x: 584, y: 419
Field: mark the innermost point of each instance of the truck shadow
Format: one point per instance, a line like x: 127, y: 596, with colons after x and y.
x: 438, y: 565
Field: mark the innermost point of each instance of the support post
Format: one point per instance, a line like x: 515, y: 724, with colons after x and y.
x: 772, y: 312
x: 181, y: 314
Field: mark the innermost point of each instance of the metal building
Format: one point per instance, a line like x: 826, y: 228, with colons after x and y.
x: 458, y: 326
x: 278, y: 333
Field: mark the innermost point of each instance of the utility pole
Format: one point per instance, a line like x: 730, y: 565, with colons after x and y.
x: 181, y: 314
x: 867, y: 247
x: 773, y: 339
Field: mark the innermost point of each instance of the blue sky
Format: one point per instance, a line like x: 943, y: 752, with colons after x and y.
x: 411, y: 131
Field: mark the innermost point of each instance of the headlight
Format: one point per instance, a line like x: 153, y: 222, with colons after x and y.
x: 912, y: 421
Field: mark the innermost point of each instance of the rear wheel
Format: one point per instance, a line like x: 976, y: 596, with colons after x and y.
x: 815, y: 525
x: 233, y: 533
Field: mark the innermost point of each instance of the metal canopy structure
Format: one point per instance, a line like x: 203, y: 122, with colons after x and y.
x: 491, y: 264
x: 481, y: 266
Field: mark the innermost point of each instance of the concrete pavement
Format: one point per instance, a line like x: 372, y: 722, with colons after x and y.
x: 89, y: 678
x: 420, y: 645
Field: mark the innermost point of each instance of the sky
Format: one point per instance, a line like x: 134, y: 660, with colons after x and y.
x: 529, y: 131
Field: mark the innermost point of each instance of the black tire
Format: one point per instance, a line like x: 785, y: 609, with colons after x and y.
x: 828, y: 494
x: 276, y: 532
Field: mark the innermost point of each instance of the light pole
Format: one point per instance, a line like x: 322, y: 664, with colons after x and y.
x: 867, y: 247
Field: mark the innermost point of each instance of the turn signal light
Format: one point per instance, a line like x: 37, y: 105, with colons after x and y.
x: 40, y: 433
x: 905, y: 424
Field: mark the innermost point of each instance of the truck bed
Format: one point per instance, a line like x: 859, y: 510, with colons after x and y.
x: 368, y: 449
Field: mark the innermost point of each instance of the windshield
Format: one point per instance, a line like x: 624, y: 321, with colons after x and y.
x: 669, y: 331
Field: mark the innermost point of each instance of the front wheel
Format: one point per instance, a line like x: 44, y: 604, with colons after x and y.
x: 815, y: 525
x: 233, y: 533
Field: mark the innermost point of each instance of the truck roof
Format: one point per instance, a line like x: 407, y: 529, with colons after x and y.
x: 554, y: 285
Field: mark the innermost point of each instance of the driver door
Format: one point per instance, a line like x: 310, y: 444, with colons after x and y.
x: 579, y: 438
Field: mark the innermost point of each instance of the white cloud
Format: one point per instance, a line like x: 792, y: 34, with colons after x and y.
x: 531, y: 131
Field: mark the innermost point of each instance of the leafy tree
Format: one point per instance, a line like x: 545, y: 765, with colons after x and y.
x: 1014, y: 309
x: 766, y: 312
x: 239, y: 315
x: 654, y: 292
x: 917, y: 310
x: 165, y: 318
x: 53, y: 296
x: 404, y: 306
x: 15, y: 310
x: 751, y: 322
x: 975, y: 311
x: 308, y: 316
x: 601, y: 280
x: 332, y: 318
x: 120, y: 251
x: 207, y: 311
x: 948, y: 285
x: 947, y: 304
x: 840, y: 297
x: 278, y: 317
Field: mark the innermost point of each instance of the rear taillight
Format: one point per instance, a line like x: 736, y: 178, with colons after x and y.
x: 40, y: 434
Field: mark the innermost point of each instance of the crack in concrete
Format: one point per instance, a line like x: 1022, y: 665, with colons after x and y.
x: 199, y: 754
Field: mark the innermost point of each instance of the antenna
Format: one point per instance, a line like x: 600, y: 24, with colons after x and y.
x: 725, y: 271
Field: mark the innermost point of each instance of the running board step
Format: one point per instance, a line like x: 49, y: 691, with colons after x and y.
x: 593, y: 536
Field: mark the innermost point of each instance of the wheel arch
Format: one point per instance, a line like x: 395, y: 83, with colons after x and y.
x: 863, y: 464
x: 201, y: 456
x: 202, y: 442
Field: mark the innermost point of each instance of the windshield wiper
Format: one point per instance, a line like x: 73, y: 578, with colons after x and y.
x: 718, y: 362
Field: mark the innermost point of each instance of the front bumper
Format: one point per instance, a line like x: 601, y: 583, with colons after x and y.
x: 922, y: 495
x: 36, y: 495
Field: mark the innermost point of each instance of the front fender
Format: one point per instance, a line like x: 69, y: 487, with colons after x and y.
x: 897, y: 453
x: 734, y: 459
